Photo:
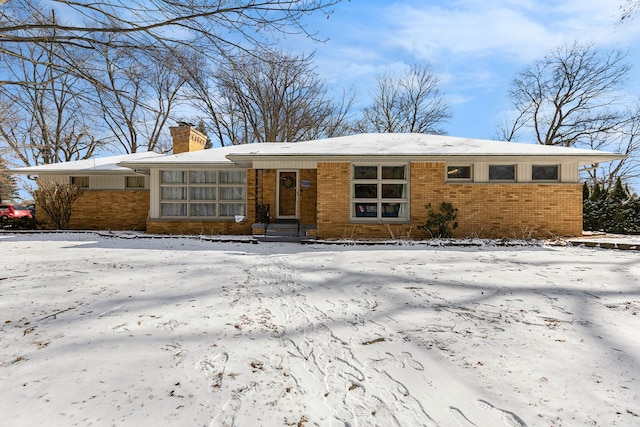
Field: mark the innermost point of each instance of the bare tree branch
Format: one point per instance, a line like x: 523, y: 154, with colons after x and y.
x: 210, y: 27
x: 410, y: 102
x: 268, y: 97
x: 574, y: 97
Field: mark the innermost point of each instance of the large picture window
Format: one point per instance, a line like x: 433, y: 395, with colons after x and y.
x: 379, y: 192
x: 203, y: 193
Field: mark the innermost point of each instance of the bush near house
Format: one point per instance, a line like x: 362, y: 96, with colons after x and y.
x: 616, y: 211
x: 441, y: 224
x: 56, y: 200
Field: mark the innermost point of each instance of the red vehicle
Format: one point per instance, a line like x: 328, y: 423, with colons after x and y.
x: 13, y: 211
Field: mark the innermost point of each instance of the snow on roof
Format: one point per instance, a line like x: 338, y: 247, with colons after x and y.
x: 411, y: 145
x: 99, y: 164
x: 379, y: 144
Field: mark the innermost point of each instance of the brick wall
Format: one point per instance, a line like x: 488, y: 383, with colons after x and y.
x: 186, y: 139
x: 498, y: 210
x: 308, y: 196
x: 484, y: 210
x: 333, y: 200
x: 199, y: 227
x: 107, y: 210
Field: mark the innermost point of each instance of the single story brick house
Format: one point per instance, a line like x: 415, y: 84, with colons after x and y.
x: 359, y: 186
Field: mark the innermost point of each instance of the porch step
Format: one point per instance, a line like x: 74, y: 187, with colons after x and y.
x: 284, y: 231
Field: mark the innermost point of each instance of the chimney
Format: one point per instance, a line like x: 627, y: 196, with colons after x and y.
x: 186, y: 138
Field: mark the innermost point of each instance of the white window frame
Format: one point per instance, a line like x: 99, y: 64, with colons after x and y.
x: 219, y: 187
x: 358, y: 204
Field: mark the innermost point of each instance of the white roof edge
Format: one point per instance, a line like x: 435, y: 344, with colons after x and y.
x: 96, y: 166
x: 401, y: 147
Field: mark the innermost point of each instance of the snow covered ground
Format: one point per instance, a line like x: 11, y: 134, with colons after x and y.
x: 119, y: 331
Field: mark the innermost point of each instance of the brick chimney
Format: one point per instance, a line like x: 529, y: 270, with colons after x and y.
x: 186, y: 138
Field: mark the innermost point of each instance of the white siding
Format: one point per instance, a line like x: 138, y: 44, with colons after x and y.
x: 287, y: 164
x: 569, y: 172
x: 481, y: 172
x: 106, y: 182
x: 154, y: 194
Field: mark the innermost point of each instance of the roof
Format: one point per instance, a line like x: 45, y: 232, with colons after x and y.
x: 98, y: 165
x: 390, y: 146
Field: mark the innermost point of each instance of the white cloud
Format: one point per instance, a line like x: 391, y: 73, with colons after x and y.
x: 521, y: 31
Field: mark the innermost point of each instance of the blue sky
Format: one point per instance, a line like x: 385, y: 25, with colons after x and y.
x: 476, y: 46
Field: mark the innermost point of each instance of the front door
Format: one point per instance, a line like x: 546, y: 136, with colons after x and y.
x: 287, y: 194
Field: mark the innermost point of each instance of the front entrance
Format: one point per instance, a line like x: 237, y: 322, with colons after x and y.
x: 287, y: 195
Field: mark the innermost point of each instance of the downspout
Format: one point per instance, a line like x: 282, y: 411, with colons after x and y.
x: 256, y: 197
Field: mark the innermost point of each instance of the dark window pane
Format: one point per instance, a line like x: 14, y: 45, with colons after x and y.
x: 392, y: 191
x: 366, y: 209
x: 502, y: 172
x: 544, y: 173
x: 393, y: 172
x: 366, y: 191
x: 134, y: 182
x: 390, y: 209
x: 459, y: 172
x: 80, y: 181
x: 365, y: 172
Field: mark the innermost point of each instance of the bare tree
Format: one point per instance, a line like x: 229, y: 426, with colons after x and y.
x: 624, y: 139
x: 569, y: 96
x: 268, y: 96
x: 137, y: 97
x: 573, y: 97
x: 408, y: 102
x: 206, y: 26
x: 8, y: 185
x: 48, y: 120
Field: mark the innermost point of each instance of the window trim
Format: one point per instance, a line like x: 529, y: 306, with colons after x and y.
x: 381, y: 204
x: 188, y: 201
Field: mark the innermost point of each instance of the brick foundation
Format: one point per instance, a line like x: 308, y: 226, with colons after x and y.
x: 209, y: 228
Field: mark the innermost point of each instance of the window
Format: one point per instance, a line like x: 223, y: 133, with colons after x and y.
x: 502, y: 172
x: 203, y: 193
x: 544, y: 173
x: 379, y: 192
x: 80, y: 181
x: 133, y: 182
x: 459, y: 172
